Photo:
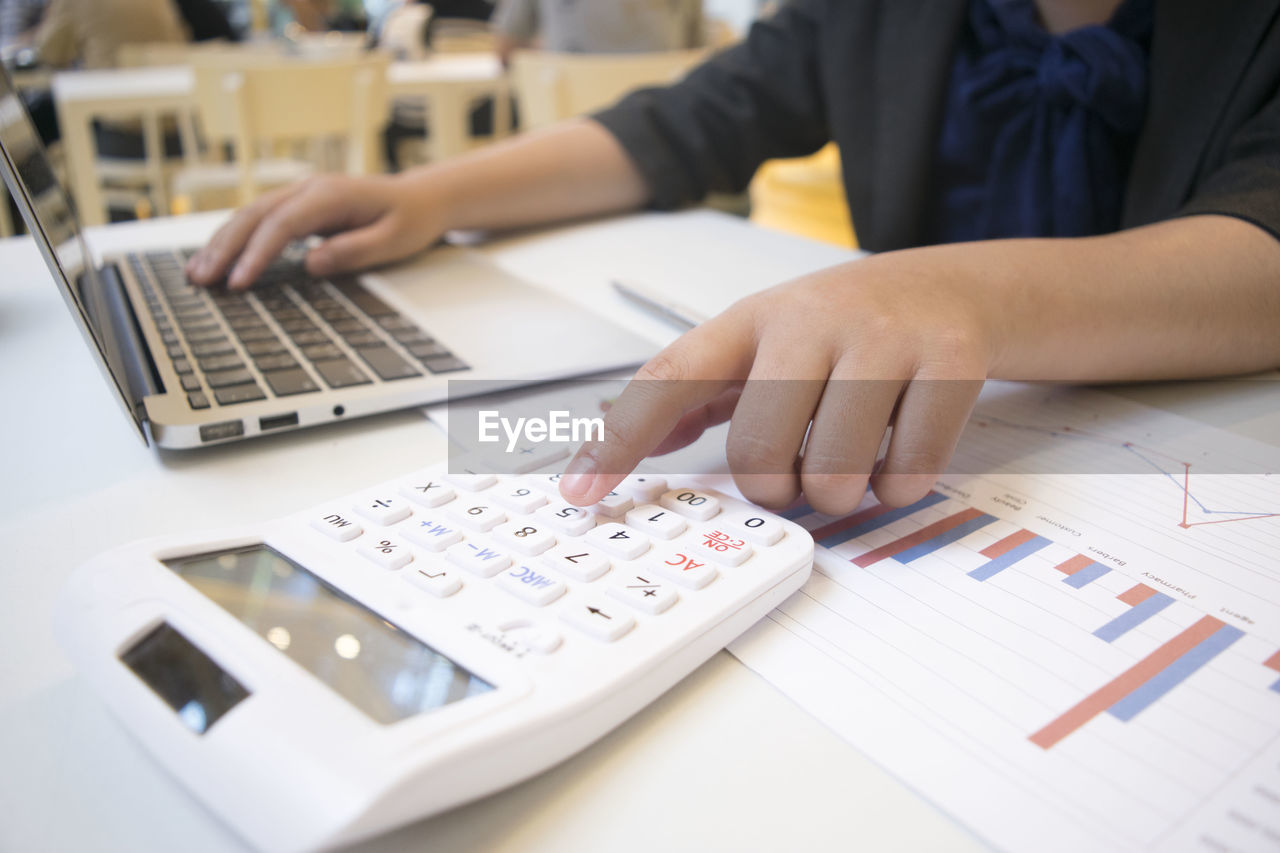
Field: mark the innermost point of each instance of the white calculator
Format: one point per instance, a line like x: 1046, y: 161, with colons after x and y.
x: 327, y: 676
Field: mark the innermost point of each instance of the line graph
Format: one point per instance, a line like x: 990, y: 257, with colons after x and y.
x: 1180, y: 477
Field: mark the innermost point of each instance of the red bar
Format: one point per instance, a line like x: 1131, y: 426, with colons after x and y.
x: 1075, y: 564
x: 1273, y: 662
x: 1127, y: 682
x: 1138, y: 593
x: 1007, y: 544
x: 854, y: 520
x: 924, y: 534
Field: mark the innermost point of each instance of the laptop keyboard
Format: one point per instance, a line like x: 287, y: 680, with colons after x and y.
x: 291, y: 334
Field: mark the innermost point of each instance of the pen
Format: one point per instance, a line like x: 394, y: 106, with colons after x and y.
x: 681, y: 315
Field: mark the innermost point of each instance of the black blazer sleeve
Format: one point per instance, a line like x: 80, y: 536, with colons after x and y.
x: 755, y: 101
x: 1247, y: 183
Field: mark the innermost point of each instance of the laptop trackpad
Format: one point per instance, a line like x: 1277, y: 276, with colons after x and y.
x: 503, y: 326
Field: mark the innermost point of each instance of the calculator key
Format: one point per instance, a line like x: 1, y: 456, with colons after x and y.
x: 756, y: 528
x: 426, y: 491
x: 434, y: 534
x: 477, y: 558
x: 645, y: 593
x: 685, y: 568
x: 440, y: 582
x: 598, y: 619
x: 387, y: 551
x: 518, y: 498
x: 336, y: 525
x: 618, y: 540
x: 549, y: 483
x: 531, y: 585
x: 567, y: 518
x: 579, y: 563
x: 657, y: 522
x: 477, y: 516
x: 700, y: 506
x: 468, y: 482
x: 613, y: 505
x: 525, y: 538
x: 720, y: 547
x: 643, y: 487
x: 383, y: 509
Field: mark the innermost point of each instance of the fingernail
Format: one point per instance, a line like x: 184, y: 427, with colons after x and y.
x: 579, y: 476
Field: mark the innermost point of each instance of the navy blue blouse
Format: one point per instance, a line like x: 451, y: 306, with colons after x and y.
x: 1038, y: 130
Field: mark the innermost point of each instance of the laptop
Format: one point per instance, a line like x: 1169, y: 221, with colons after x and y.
x: 195, y: 367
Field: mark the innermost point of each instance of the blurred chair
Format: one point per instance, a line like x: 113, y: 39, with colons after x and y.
x: 460, y: 35
x: 265, y: 108
x: 804, y: 196
x: 552, y: 86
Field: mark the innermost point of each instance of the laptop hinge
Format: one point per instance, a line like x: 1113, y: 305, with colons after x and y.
x: 139, y: 370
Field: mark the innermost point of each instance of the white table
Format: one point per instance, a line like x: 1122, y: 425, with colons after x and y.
x: 446, y: 83
x: 721, y: 762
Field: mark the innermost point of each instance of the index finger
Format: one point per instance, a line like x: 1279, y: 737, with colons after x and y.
x: 686, y: 375
x: 211, y: 263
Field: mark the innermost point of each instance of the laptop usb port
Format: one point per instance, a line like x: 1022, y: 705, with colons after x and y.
x: 278, y: 421
x: 223, y: 430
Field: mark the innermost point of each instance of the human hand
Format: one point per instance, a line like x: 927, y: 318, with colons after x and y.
x: 369, y: 221
x: 823, y: 364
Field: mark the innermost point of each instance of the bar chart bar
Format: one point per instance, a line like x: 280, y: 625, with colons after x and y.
x: 1008, y: 551
x: 1075, y: 564
x: 1273, y: 662
x: 798, y: 511
x: 1133, y: 617
x: 869, y: 519
x: 928, y: 539
x: 1136, y: 594
x: 1171, y: 676
x: 1129, y: 681
x: 1086, y: 576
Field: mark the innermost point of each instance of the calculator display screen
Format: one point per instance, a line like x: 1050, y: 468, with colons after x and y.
x: 376, y: 666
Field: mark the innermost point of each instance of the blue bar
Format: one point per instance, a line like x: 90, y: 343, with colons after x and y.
x: 1276, y: 686
x: 1133, y: 617
x: 797, y: 512
x: 1175, y: 673
x: 1008, y: 558
x: 1086, y: 576
x: 958, y: 532
x: 881, y: 520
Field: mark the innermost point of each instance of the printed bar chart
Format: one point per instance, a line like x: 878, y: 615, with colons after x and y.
x: 1131, y: 680
x: 873, y: 518
x: 1144, y: 602
x: 1097, y: 676
x: 929, y: 539
x: 1176, y: 673
x: 1273, y: 662
x: 1008, y: 551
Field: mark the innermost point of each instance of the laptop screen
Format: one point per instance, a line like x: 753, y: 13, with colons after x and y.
x: 51, y: 220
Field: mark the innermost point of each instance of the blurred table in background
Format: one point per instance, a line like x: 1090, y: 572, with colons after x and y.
x: 448, y: 85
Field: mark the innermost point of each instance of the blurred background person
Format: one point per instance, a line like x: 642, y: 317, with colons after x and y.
x: 18, y: 20
x: 206, y: 20
x: 89, y: 33
x: 318, y: 16
x: 405, y: 31
x: 597, y: 26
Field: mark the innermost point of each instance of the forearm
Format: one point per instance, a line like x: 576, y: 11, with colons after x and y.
x: 1197, y: 296
x: 572, y: 170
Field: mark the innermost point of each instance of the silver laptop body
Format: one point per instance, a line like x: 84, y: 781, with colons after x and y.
x: 196, y: 367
